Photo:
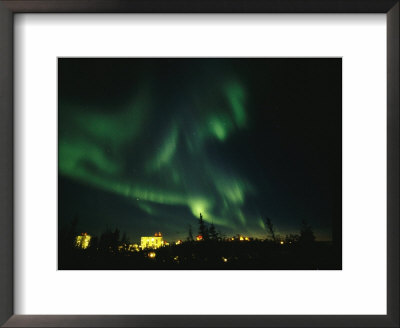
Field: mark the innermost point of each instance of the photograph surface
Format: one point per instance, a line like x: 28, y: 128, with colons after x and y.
x: 199, y: 163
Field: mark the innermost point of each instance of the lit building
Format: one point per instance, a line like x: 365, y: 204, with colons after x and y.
x: 82, y: 241
x: 199, y: 237
x: 152, y: 242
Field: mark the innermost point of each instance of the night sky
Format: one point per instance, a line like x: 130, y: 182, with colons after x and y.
x: 145, y: 145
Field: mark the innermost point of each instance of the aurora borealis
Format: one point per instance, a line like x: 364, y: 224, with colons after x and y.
x: 145, y: 145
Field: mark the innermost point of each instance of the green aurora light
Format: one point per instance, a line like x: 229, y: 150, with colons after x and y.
x: 233, y: 139
x: 91, y: 155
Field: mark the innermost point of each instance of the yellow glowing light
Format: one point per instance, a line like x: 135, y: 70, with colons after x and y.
x: 151, y: 242
x: 282, y: 242
x: 82, y: 241
x: 247, y: 238
x: 178, y: 242
x: 224, y: 259
x: 152, y: 255
x: 176, y: 258
x: 133, y: 247
x: 241, y: 238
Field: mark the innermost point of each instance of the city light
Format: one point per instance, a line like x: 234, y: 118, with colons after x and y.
x: 133, y: 247
x: 82, y: 241
x: 281, y: 242
x: 178, y: 242
x: 224, y: 259
x: 199, y: 237
x: 152, y: 242
x: 152, y: 255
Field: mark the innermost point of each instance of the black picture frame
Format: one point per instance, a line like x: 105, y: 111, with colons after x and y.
x: 10, y: 7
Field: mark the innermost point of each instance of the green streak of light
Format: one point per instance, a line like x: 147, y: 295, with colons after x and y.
x: 167, y: 151
x: 146, y: 208
x: 241, y: 217
x: 236, y: 97
x: 112, y: 128
x: 73, y: 154
x: 220, y: 127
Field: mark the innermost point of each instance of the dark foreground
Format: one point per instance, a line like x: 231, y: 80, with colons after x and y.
x: 253, y: 255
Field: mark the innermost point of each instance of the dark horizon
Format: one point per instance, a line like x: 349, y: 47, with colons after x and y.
x: 145, y: 145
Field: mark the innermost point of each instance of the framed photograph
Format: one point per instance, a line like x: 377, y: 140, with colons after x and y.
x: 199, y: 164
x: 183, y: 142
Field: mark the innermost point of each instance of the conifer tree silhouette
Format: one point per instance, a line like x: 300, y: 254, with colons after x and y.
x: 203, y: 231
x: 270, y: 228
x: 213, y: 233
x: 190, y: 234
x: 307, y: 236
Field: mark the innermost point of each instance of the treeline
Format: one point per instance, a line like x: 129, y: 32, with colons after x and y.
x: 306, y: 236
x: 209, y: 233
x: 109, y: 240
x: 206, y: 232
x: 110, y: 250
x: 114, y: 241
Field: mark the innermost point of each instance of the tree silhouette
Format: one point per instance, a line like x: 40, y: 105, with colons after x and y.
x: 270, y: 228
x: 67, y: 239
x: 213, y: 233
x: 203, y: 231
x: 307, y: 236
x: 115, y: 239
x: 94, y: 243
x: 105, y: 240
x: 190, y: 234
x: 292, y: 238
x: 125, y: 242
x: 109, y: 240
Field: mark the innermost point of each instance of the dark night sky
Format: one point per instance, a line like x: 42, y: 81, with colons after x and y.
x: 145, y: 145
